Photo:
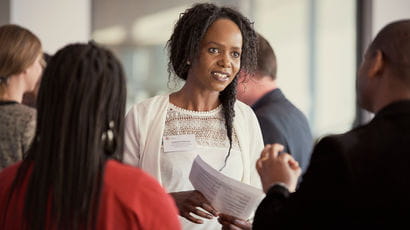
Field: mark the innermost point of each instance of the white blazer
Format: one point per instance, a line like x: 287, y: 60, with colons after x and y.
x: 144, y: 127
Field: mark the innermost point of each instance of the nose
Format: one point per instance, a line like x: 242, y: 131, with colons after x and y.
x: 225, y: 60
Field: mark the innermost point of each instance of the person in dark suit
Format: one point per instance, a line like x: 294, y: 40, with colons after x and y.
x: 280, y: 121
x: 356, y: 180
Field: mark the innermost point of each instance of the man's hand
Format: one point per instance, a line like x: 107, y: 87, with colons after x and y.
x: 232, y: 223
x: 277, y: 168
x: 189, y: 201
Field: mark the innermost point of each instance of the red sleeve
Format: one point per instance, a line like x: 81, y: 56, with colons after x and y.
x: 135, y: 200
x: 159, y: 210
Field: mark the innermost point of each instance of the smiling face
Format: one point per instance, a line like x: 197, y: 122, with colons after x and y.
x: 219, y: 57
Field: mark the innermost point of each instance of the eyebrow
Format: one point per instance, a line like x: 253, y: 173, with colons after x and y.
x: 219, y: 44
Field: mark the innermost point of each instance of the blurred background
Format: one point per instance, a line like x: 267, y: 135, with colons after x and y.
x: 318, y: 43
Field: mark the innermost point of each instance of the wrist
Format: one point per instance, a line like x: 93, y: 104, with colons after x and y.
x: 281, y: 184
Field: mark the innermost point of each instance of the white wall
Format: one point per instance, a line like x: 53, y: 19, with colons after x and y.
x: 386, y: 11
x: 55, y: 22
x: 316, y: 59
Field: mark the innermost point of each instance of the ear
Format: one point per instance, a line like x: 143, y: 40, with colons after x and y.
x: 377, y: 64
x: 25, y: 71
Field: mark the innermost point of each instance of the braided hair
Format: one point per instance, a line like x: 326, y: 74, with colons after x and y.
x: 184, y: 45
x: 81, y: 98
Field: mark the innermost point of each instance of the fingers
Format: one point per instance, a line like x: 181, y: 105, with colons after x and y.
x: 230, y: 227
x: 265, y: 152
x: 189, y: 210
x: 275, y: 149
x: 226, y: 218
x: 201, y: 213
x: 274, y: 166
x: 205, y: 205
x: 193, y: 219
x: 259, y: 165
x: 293, y: 164
x: 193, y: 202
x: 230, y: 222
x: 299, y: 171
x: 198, y: 200
x: 269, y: 152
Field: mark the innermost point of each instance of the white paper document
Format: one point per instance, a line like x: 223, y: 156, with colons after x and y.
x: 226, y: 195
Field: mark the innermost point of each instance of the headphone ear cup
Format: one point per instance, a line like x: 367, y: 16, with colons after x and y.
x: 109, y: 141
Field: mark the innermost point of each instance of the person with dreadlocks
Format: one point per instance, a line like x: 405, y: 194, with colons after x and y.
x: 71, y: 177
x: 207, y: 49
x: 21, y: 65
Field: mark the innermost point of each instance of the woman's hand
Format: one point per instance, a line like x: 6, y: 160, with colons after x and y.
x: 232, y: 223
x: 189, y: 201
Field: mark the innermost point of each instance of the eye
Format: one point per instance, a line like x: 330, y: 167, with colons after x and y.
x: 213, y: 50
x: 236, y: 54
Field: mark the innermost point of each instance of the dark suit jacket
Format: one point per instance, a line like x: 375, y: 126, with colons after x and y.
x: 357, y: 179
x: 281, y: 122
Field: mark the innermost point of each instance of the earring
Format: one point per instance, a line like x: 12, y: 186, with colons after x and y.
x: 188, y: 62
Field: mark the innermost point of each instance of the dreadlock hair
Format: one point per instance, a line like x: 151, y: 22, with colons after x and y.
x: 184, y: 46
x: 81, y: 98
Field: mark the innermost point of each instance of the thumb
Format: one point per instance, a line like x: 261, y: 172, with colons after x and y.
x: 293, y: 163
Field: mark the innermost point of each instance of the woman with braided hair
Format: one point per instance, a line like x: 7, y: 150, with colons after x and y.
x: 208, y: 48
x: 71, y: 177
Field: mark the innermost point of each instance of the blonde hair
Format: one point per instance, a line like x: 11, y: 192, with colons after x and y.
x: 19, y: 49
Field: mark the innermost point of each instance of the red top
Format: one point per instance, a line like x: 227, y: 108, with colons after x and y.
x: 131, y: 199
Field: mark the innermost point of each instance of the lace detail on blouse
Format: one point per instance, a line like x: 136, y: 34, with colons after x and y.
x: 208, y: 127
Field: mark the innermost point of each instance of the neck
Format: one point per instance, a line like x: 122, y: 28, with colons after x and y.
x: 193, y: 100
x: 382, y: 102
x: 255, y: 88
x: 390, y: 91
x: 14, y: 90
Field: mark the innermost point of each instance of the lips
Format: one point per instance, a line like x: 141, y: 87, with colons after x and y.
x: 220, y: 76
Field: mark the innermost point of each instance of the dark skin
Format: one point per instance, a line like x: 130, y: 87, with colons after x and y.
x: 232, y: 223
x: 216, y: 66
x: 384, y: 75
x: 213, y: 70
x: 383, y: 78
x: 189, y: 201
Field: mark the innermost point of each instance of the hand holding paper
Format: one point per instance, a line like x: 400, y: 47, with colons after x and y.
x: 225, y: 194
x: 187, y: 203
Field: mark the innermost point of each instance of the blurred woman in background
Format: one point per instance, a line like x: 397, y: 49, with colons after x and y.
x: 21, y: 65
